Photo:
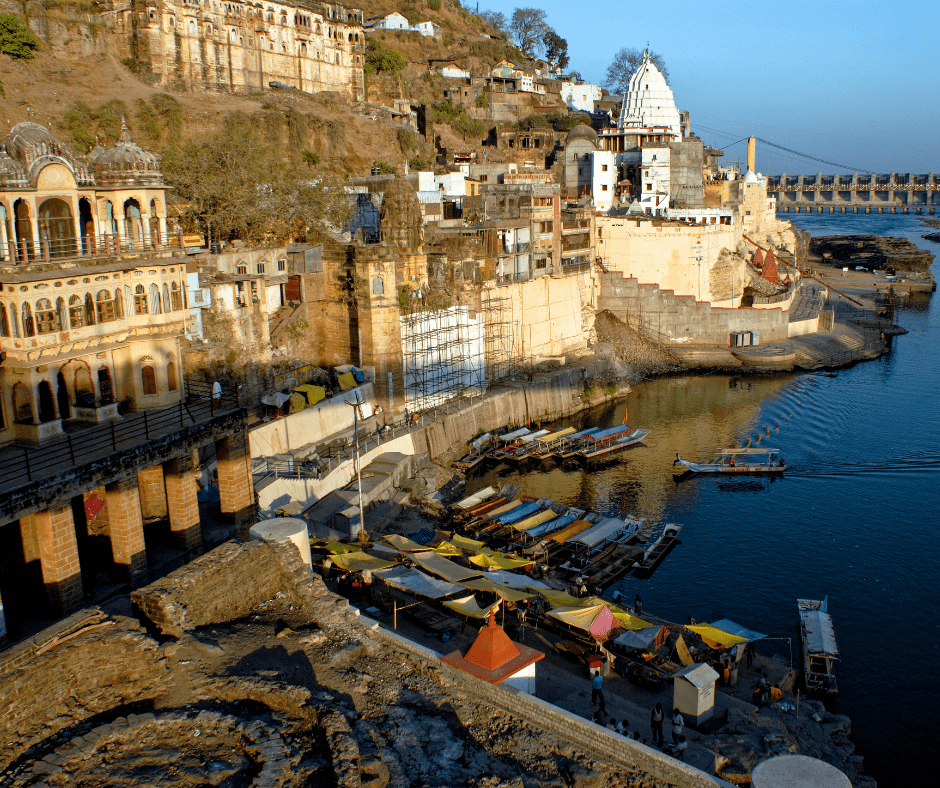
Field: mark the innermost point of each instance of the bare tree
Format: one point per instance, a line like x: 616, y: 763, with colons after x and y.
x: 495, y: 19
x: 623, y: 66
x: 528, y: 28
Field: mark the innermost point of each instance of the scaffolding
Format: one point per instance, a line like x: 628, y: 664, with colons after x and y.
x: 500, y: 360
x: 443, y: 354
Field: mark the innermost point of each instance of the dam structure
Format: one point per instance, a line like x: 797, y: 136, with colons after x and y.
x: 856, y: 193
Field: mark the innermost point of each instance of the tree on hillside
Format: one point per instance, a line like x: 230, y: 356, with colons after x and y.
x: 16, y: 39
x: 239, y: 182
x: 556, y: 50
x: 624, y: 64
x: 495, y: 19
x: 528, y: 27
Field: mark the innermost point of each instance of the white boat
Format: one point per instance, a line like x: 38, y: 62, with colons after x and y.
x: 738, y: 461
x: 820, y: 650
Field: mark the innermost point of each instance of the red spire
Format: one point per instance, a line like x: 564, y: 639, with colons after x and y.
x: 492, y: 649
x: 758, y: 258
x: 771, y: 274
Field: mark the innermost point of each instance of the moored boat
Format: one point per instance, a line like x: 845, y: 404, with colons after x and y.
x: 602, y: 444
x: 820, y: 650
x: 753, y: 460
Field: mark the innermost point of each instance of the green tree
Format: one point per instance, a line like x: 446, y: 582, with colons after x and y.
x: 16, y: 39
x: 383, y: 59
x: 88, y: 125
x: 239, y: 182
x: 467, y: 126
x: 434, y: 5
x: 162, y: 115
x: 556, y: 50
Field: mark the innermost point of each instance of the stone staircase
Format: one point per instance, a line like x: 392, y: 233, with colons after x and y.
x: 807, y: 304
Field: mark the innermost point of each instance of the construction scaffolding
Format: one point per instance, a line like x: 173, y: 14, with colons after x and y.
x: 443, y: 354
x: 500, y: 359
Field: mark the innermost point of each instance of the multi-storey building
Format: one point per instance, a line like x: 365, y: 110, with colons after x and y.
x: 244, y: 46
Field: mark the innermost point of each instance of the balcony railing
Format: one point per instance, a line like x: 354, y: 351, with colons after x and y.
x: 57, y: 250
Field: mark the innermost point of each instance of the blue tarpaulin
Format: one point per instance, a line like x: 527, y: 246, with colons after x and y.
x: 518, y: 513
x: 551, y: 525
x: 611, y: 432
x: 725, y: 625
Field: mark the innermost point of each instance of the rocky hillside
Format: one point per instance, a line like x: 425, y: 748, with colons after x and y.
x: 77, y: 85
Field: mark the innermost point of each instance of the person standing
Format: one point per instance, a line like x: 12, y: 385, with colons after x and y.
x: 216, y: 395
x: 597, y: 688
x: 657, y: 718
x: 678, y: 723
x: 678, y: 751
x: 638, y: 605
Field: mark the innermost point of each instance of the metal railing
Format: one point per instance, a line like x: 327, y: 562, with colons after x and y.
x: 19, y: 463
x: 24, y: 251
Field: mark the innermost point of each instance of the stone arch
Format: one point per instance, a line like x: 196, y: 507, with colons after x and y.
x: 172, y: 383
x: 378, y: 286
x: 133, y: 227
x: 155, y: 300
x: 148, y: 380
x: 140, y: 300
x: 86, y: 225
x: 76, y: 312
x: 46, y: 317
x: 89, y: 310
x: 105, y: 385
x: 62, y: 312
x: 56, y: 227
x: 23, y: 226
x: 166, y: 298
x: 105, y: 306
x: 4, y: 322
x: 29, y: 329
x: 22, y: 404
x: 83, y: 386
x: 63, y: 399
x: 176, y: 299
x: 46, y: 402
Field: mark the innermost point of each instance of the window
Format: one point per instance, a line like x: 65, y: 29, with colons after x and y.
x: 148, y: 379
x: 46, y: 318
x: 155, y: 300
x: 105, y: 307
x: 282, y: 265
x: 603, y: 168
x: 378, y: 286
x: 4, y: 322
x: 176, y: 297
x: 29, y: 329
x: 604, y: 187
x: 140, y: 300
x: 76, y: 312
x: 171, y: 382
x: 259, y: 268
x: 242, y: 269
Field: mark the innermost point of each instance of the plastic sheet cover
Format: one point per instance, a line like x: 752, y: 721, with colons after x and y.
x: 535, y: 519
x: 551, y: 525
x: 518, y: 513
x: 736, y: 629
x: 478, y: 497
x: 714, y: 637
x: 596, y: 620
x: 406, y: 578
x: 467, y: 606
x: 507, y: 593
x: 442, y: 567
x: 497, y: 561
x: 357, y: 562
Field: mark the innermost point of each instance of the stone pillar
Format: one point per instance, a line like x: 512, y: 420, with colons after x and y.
x: 152, y: 493
x: 236, y: 491
x: 179, y: 476
x: 34, y: 224
x: 54, y: 532
x: 127, y: 527
x: 164, y: 236
x: 145, y: 229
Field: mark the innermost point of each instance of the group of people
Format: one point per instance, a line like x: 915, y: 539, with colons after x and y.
x: 657, y: 720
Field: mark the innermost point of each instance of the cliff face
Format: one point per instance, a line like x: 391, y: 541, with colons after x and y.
x: 72, y: 28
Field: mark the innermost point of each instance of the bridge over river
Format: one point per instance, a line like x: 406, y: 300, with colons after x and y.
x: 855, y: 193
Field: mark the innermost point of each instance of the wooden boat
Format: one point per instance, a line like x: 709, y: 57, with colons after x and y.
x: 820, y: 650
x: 600, y: 445
x: 656, y: 550
x: 752, y: 460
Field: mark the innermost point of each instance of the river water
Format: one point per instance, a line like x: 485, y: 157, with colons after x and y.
x: 855, y: 519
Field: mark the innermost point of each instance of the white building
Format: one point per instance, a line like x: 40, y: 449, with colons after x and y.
x: 648, y: 102
x: 424, y: 28
x: 580, y: 97
x: 451, y: 71
x: 393, y: 21
x: 603, y: 178
x: 654, y: 179
x: 451, y: 184
x: 527, y: 84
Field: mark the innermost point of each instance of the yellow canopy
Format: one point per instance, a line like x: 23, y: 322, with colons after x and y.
x: 357, y: 562
x: 534, y: 520
x: 570, y: 531
x: 554, y: 436
x: 346, y: 381
x: 447, y: 548
x: 506, y: 507
x: 442, y: 567
x: 297, y: 402
x: 339, y: 547
x: 313, y: 394
x: 628, y: 620
x: 403, y: 543
x: 465, y: 543
x: 507, y: 593
x: 683, y: 651
x: 714, y: 637
x: 560, y: 598
x: 467, y: 606
x: 497, y: 561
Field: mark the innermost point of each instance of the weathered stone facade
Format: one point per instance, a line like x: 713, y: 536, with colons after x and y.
x: 244, y: 47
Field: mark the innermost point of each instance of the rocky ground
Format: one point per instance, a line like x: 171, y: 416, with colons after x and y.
x: 873, y: 252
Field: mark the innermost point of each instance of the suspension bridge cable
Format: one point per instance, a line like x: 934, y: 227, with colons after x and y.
x: 815, y: 158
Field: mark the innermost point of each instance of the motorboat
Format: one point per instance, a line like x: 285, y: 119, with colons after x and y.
x: 753, y: 460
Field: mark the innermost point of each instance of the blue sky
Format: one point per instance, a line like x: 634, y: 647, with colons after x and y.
x: 855, y: 82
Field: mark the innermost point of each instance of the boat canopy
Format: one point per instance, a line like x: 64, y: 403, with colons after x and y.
x: 570, y: 531
x: 494, y: 515
x: 551, y: 525
x: 478, y: 497
x: 603, y: 530
x: 554, y: 436
x: 518, y: 513
x: 534, y: 436
x: 610, y: 432
x: 536, y: 519
x: 583, y: 433
x: 514, y: 435
x: 820, y: 635
x: 405, y: 578
x: 751, y: 450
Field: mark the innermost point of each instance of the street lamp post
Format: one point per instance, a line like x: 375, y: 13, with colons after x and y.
x: 362, y: 520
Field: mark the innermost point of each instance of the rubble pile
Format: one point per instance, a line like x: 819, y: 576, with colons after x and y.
x: 872, y: 251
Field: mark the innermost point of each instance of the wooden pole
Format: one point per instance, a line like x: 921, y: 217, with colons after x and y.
x: 395, y: 615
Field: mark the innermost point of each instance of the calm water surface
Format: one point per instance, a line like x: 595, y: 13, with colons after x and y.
x: 855, y: 519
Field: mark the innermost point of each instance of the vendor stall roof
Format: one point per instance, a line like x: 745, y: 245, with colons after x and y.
x: 736, y: 629
x: 644, y: 639
x: 406, y: 578
x: 597, y: 620
x: 357, y: 562
x: 714, y: 637
x: 468, y: 606
x: 491, y: 560
x: 442, y: 567
x: 404, y: 544
x: 507, y: 593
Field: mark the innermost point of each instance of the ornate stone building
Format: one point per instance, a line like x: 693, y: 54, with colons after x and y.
x: 244, y: 46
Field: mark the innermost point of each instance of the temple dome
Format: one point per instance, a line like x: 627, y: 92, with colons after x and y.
x: 12, y: 172
x: 582, y: 131
x: 125, y: 155
x: 648, y: 101
x: 24, y: 137
x: 750, y: 177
